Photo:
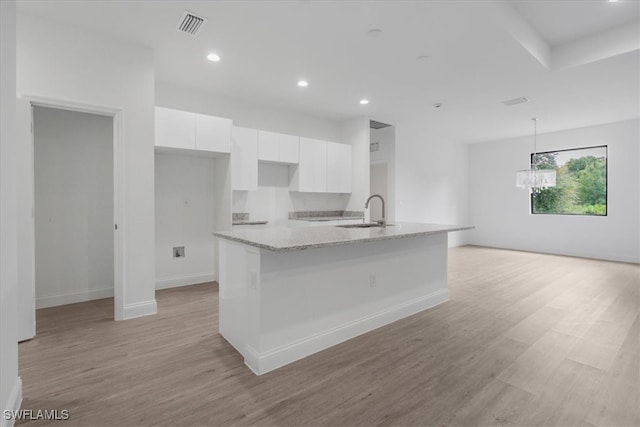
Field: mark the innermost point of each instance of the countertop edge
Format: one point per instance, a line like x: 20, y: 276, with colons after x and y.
x: 222, y: 235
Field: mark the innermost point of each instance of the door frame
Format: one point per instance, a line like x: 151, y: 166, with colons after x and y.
x: 119, y: 235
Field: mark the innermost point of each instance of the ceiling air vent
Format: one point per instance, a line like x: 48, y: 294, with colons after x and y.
x: 377, y: 125
x: 515, y: 101
x: 191, y: 23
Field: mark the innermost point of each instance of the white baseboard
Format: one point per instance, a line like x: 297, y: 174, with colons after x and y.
x: 140, y: 309
x: 73, y: 297
x: 191, y: 279
x: 13, y: 404
x: 261, y: 363
x: 585, y: 254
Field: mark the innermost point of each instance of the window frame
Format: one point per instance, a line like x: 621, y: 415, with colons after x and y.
x: 606, y: 171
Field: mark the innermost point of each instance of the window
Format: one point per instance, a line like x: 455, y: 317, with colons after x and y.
x: 581, y: 182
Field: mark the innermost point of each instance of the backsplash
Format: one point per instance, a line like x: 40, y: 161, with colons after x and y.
x: 240, y: 216
x: 273, y: 201
x: 320, y: 214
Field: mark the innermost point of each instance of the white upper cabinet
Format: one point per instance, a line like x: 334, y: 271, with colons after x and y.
x: 311, y: 174
x: 338, y: 168
x: 325, y: 167
x: 191, y: 131
x: 213, y: 133
x: 289, y: 149
x: 244, y: 159
x: 268, y: 146
x: 175, y: 129
x: 278, y: 147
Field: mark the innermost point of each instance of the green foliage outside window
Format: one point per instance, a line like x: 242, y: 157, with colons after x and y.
x: 581, y: 182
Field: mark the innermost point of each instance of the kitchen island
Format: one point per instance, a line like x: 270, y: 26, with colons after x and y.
x: 286, y: 293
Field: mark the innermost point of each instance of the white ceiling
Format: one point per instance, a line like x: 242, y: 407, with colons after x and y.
x: 562, y: 21
x: 475, y: 61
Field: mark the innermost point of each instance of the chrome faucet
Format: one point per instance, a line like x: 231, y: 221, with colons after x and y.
x: 382, y: 222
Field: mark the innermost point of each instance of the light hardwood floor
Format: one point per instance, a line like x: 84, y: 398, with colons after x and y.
x: 526, y: 339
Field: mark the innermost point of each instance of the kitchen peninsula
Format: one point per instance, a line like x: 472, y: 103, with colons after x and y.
x: 286, y: 293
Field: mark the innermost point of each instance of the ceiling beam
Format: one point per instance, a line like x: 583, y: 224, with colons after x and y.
x: 522, y: 32
x: 599, y: 46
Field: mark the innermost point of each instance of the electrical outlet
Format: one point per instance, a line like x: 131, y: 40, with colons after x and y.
x: 372, y: 280
x: 178, y: 251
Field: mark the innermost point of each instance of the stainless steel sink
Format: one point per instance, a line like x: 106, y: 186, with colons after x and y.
x: 365, y: 225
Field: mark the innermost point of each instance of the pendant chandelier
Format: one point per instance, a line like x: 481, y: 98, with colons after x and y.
x: 535, y: 179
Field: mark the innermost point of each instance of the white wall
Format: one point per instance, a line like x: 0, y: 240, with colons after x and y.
x: 73, y: 155
x: 431, y: 178
x: 10, y: 383
x: 184, y: 193
x: 62, y: 62
x: 501, y: 212
x: 386, y: 139
x: 246, y: 114
x: 272, y: 201
x: 356, y: 133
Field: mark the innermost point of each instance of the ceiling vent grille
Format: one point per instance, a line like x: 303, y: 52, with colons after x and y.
x: 515, y: 101
x: 377, y: 125
x: 191, y: 23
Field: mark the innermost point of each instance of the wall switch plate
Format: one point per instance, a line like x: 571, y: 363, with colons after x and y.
x: 178, y: 251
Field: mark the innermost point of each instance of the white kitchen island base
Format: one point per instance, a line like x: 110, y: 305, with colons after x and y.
x: 277, y: 307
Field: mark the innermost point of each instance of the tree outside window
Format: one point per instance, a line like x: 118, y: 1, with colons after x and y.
x: 581, y: 182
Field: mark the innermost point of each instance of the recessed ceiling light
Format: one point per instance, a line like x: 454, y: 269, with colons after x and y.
x: 422, y: 58
x: 613, y: 1
x: 375, y: 32
x: 364, y: 101
x: 213, y: 57
x: 303, y: 83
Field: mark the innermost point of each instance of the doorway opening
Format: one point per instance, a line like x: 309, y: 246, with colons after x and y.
x: 382, y: 168
x: 80, y: 253
x: 73, y: 206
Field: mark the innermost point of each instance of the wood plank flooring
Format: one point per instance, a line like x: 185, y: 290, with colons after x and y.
x: 526, y: 339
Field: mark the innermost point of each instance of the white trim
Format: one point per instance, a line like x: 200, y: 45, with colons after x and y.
x: 118, y: 187
x: 13, y: 404
x: 140, y: 309
x: 261, y: 363
x: 587, y: 255
x: 73, y: 297
x: 190, y: 279
x: 118, y: 216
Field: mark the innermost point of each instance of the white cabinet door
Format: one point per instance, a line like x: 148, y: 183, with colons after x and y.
x: 338, y: 168
x: 268, y: 146
x: 244, y: 159
x: 174, y: 129
x: 311, y: 174
x: 278, y: 147
x: 289, y: 149
x: 213, y: 133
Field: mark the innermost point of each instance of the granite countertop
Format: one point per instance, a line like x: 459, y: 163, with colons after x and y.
x: 327, y: 218
x: 283, y: 239
x: 325, y: 215
x: 242, y: 222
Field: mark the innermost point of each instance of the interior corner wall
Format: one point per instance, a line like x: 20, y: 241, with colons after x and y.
x: 65, y: 63
x: 10, y: 384
x: 184, y: 212
x: 501, y: 212
x: 386, y: 139
x: 431, y: 178
x: 356, y: 133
